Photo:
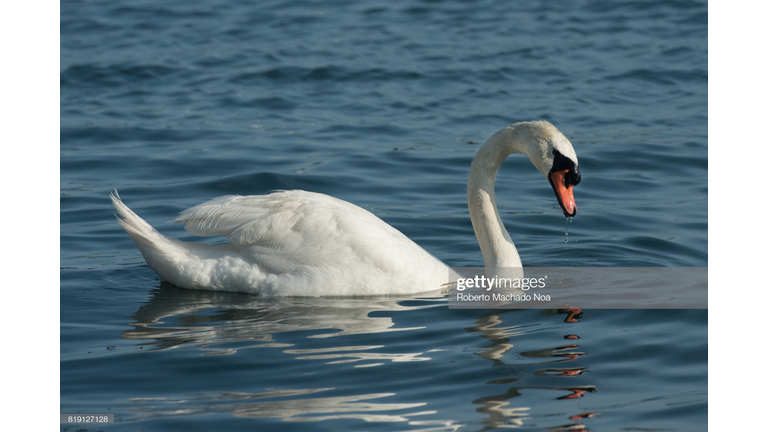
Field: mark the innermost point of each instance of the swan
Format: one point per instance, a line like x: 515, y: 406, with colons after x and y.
x: 298, y: 243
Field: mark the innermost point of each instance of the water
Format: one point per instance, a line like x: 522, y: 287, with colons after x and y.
x: 382, y: 104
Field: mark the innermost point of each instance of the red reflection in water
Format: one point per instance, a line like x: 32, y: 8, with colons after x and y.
x: 566, y: 372
x: 582, y: 416
x: 574, y: 314
x: 577, y: 393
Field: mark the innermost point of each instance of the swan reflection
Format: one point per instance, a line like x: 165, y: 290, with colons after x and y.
x: 225, y: 323
x: 218, y: 324
x: 304, y: 410
x: 499, y: 408
x: 177, y: 317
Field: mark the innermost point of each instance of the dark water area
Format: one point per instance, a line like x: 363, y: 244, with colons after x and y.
x: 382, y: 104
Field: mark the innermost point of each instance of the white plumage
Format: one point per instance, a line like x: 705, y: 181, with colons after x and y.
x: 297, y: 243
x: 287, y: 243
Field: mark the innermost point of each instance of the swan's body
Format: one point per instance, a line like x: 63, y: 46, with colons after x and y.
x: 297, y: 243
x: 289, y: 243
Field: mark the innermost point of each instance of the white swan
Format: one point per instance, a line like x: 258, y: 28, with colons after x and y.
x: 297, y: 243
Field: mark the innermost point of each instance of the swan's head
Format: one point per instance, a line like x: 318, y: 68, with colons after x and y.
x: 553, y: 155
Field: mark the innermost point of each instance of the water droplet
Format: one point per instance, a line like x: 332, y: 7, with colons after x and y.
x: 566, y: 229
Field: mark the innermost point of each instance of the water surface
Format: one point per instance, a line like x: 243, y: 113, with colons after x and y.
x: 382, y: 104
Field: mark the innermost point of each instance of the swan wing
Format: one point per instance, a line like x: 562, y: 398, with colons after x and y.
x: 245, y: 219
x: 289, y: 230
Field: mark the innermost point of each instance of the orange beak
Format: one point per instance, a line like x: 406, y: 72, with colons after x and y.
x: 564, y: 192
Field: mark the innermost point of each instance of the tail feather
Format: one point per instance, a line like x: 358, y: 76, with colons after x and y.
x: 132, y: 223
x: 184, y: 264
x: 165, y: 255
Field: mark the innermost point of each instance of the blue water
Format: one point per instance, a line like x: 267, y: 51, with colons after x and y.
x: 382, y: 104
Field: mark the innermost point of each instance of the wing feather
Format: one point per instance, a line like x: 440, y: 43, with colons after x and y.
x: 289, y: 232
x: 234, y: 213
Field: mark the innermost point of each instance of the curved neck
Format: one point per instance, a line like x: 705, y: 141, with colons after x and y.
x: 495, y: 243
